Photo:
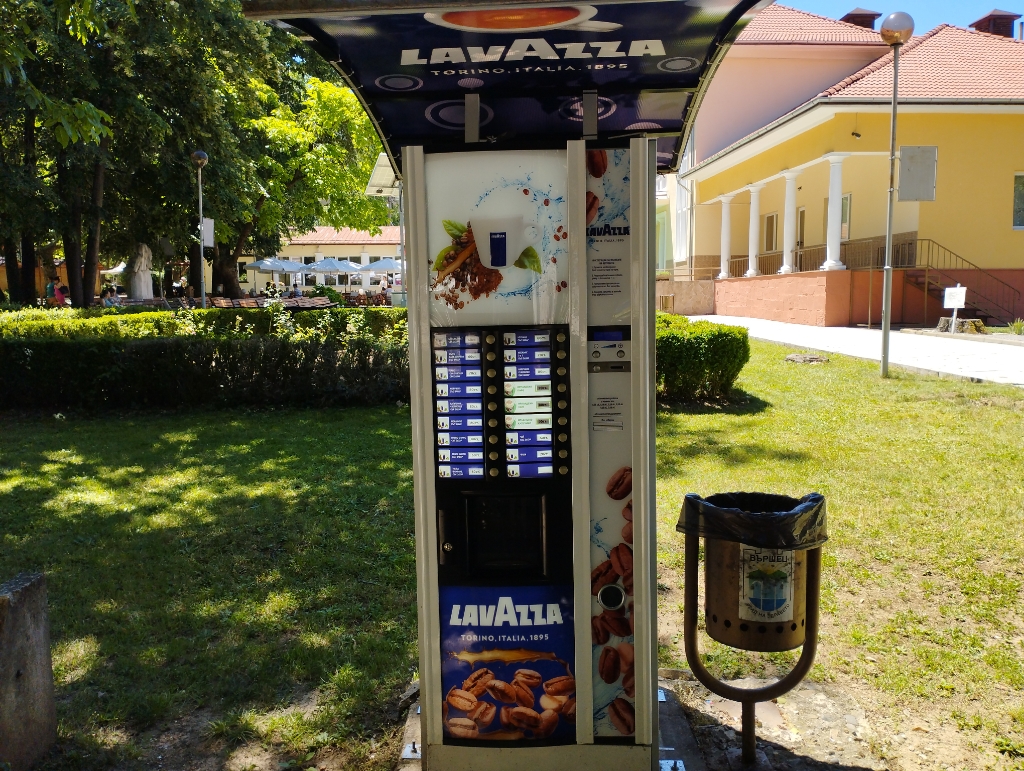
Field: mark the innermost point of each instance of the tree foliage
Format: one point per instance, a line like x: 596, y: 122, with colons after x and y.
x: 104, y: 100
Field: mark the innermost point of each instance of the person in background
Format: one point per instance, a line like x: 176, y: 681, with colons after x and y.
x: 296, y: 290
x: 51, y: 292
x: 60, y: 294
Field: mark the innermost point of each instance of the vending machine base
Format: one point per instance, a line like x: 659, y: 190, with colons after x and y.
x: 592, y: 757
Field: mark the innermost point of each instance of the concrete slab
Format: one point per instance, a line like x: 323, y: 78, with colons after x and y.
x: 959, y: 358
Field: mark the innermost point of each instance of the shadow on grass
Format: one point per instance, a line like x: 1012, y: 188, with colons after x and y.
x: 739, y: 403
x: 222, y: 562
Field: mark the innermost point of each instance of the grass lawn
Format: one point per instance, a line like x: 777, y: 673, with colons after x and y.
x: 923, y: 572
x: 251, y: 575
x: 219, y: 562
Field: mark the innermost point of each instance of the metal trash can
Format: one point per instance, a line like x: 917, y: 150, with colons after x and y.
x: 755, y: 565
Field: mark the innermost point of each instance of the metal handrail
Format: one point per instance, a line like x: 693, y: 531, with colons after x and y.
x: 985, y: 292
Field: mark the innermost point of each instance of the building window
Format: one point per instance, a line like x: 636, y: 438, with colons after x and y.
x: 663, y: 235
x: 242, y: 274
x: 771, y: 232
x: 1018, y: 201
x: 844, y: 227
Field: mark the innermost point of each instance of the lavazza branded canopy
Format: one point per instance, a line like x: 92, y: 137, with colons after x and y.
x: 472, y: 76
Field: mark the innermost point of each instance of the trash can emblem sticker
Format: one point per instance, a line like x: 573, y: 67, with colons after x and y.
x: 766, y: 584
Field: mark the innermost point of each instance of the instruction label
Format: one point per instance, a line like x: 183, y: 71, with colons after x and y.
x: 766, y: 584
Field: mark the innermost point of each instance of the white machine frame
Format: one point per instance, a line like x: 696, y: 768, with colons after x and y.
x: 643, y: 753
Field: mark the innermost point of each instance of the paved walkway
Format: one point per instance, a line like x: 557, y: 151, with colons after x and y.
x: 990, y: 362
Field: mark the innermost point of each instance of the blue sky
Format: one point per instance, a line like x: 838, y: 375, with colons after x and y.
x: 926, y: 13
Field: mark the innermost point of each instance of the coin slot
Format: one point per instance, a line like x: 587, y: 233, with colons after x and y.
x: 611, y: 597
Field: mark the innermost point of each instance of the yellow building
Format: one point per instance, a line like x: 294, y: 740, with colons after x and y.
x: 790, y: 219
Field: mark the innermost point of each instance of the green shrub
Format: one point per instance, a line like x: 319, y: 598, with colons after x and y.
x: 49, y: 324
x: 114, y: 323
x: 698, y: 360
x: 173, y: 372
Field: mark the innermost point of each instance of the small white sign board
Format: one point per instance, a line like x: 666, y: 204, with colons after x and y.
x: 955, y: 297
x: 208, y: 232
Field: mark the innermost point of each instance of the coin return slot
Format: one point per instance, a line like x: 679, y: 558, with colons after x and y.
x: 611, y: 597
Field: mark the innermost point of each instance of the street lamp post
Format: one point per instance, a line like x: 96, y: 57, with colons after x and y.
x: 896, y: 30
x: 200, y: 159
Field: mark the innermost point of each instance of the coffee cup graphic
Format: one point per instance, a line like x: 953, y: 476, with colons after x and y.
x: 500, y: 240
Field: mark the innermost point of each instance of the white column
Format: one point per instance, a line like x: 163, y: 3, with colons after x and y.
x: 833, y: 232
x: 726, y: 235
x: 754, y: 235
x: 789, y: 223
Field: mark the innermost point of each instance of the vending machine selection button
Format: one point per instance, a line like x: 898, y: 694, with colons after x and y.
x: 528, y: 437
x: 516, y: 355
x: 456, y: 355
x: 529, y: 388
x: 528, y: 454
x: 460, y: 471
x: 459, y: 422
x: 449, y: 406
x: 530, y: 470
x: 448, y: 455
x: 456, y: 339
x: 534, y: 422
x: 516, y: 406
x: 459, y: 439
x: 529, y: 372
x: 526, y: 338
x: 457, y: 373
x: 458, y: 389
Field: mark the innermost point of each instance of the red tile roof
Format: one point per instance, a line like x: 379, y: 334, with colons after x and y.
x: 782, y: 25
x: 326, y: 236
x: 946, y: 63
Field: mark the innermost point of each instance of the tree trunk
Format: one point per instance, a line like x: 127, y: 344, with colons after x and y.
x: 28, y: 269
x: 71, y: 230
x: 195, y: 268
x: 225, y: 272
x: 28, y: 242
x: 138, y: 273
x: 92, y: 254
x: 11, y: 268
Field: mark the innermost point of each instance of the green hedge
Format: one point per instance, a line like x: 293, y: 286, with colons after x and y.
x: 110, y: 324
x: 174, y: 372
x: 698, y: 360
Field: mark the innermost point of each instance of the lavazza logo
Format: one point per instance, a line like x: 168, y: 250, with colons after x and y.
x: 523, y: 49
x: 505, y: 612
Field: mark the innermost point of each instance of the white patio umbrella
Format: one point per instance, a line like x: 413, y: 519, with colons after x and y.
x: 386, y: 265
x: 332, y: 266
x: 274, y: 266
x: 117, y: 270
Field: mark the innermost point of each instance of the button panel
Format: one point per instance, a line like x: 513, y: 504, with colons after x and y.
x: 497, y: 388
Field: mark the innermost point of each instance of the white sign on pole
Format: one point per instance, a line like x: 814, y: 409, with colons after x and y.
x: 955, y: 297
x: 208, y: 232
x: 918, y: 171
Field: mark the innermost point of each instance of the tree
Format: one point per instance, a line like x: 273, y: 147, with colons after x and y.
x: 166, y: 77
x: 314, y: 169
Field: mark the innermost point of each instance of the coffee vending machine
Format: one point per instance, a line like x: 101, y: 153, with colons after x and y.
x: 526, y: 138
x: 531, y: 306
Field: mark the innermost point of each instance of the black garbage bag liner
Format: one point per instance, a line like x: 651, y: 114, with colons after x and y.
x: 757, y: 519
